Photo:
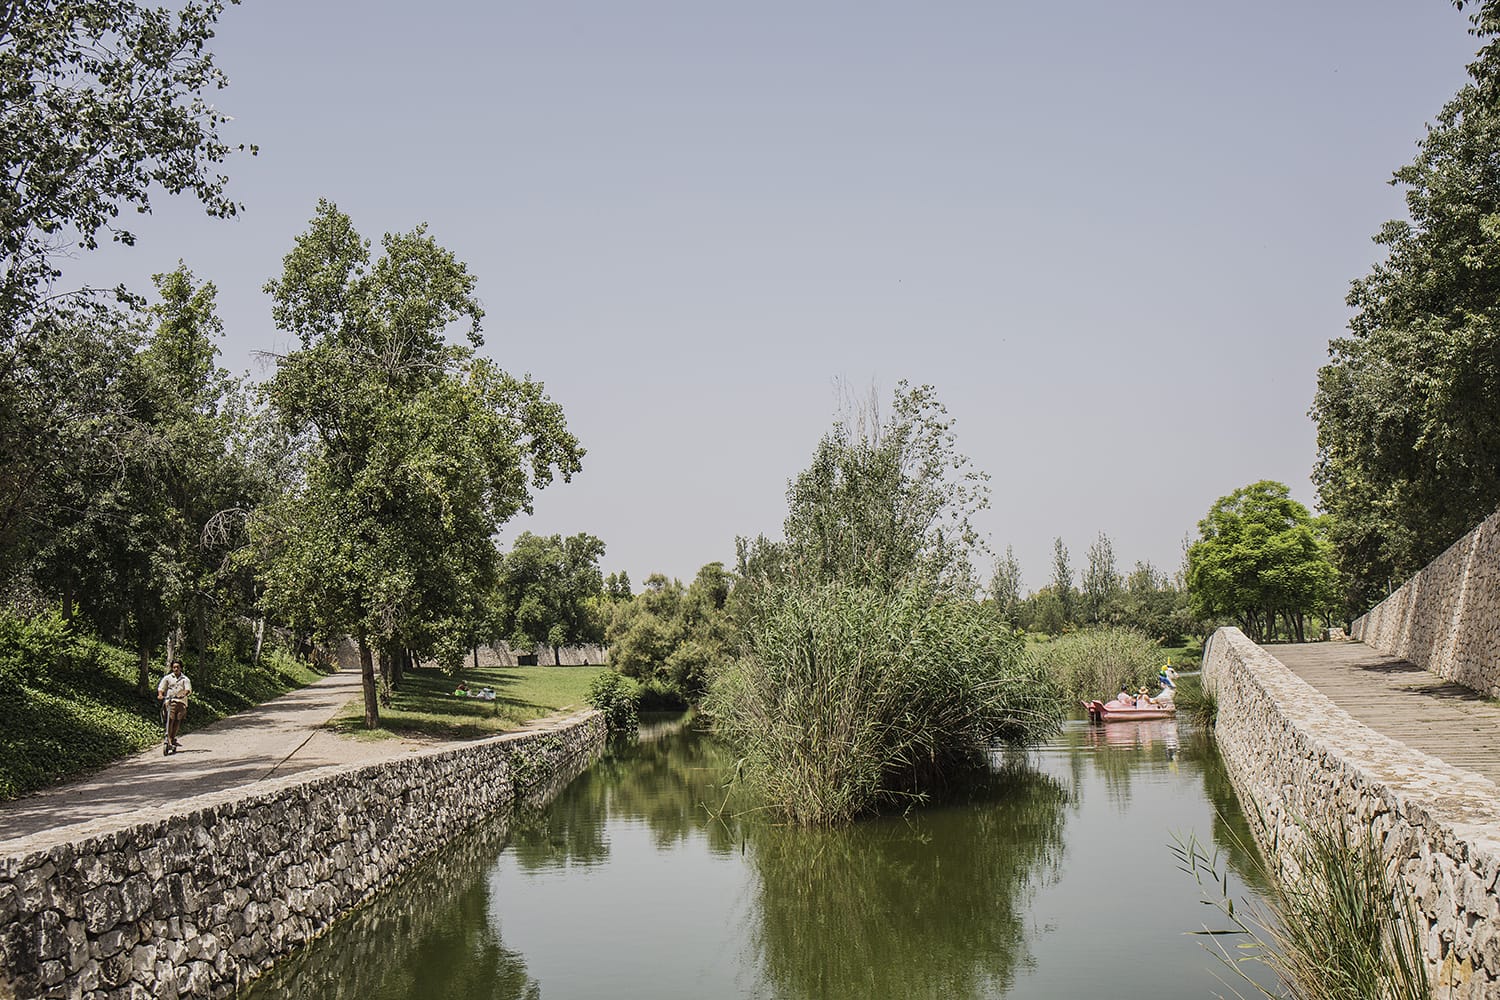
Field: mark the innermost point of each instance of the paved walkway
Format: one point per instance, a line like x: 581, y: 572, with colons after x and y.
x: 1401, y: 700
x: 277, y: 738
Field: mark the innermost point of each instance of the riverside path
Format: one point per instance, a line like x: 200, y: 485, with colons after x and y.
x: 283, y: 736
x: 1401, y: 700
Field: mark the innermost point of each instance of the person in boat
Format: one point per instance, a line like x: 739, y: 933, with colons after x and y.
x: 1125, y: 698
x: 1144, y: 700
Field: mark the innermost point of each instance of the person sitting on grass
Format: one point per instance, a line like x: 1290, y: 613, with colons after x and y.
x: 462, y: 691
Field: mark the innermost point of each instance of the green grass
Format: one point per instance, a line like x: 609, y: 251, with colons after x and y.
x: 1186, y: 657
x: 426, y: 706
x: 80, y: 719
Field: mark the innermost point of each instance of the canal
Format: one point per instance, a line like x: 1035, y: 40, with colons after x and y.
x: 1049, y: 876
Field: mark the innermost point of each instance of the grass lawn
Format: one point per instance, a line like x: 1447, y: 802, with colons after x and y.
x: 426, y: 706
x: 1188, y: 657
x: 86, y: 717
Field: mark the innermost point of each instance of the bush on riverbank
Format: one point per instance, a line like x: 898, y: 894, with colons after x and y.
x: 847, y: 698
x: 1097, y: 662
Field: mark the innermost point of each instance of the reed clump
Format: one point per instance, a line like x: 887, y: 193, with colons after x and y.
x: 1097, y: 662
x: 1337, y: 925
x: 848, y: 698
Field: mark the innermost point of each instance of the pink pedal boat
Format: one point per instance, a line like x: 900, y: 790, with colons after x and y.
x: 1115, y: 710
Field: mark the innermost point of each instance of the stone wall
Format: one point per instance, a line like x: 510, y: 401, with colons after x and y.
x: 499, y: 654
x: 1447, y: 617
x: 201, y: 899
x: 1295, y: 757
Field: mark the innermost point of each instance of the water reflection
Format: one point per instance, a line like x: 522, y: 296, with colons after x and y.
x: 429, y: 937
x: 930, y: 904
x: 1048, y: 876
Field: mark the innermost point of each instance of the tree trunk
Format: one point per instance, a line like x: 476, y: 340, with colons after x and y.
x: 476, y: 657
x: 143, y: 664
x: 367, y: 678
x: 260, y: 640
x: 557, y: 656
x: 200, y: 648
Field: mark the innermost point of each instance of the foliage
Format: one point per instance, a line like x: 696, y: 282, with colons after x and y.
x: 1062, y: 581
x: 549, y: 591
x: 847, y: 698
x: 1196, y: 700
x: 31, y: 646
x: 1097, y: 662
x: 1408, y: 406
x: 1338, y: 927
x: 616, y: 698
x: 887, y: 504
x: 416, y: 450
x: 1261, y: 557
x: 670, y: 637
x: 1005, y: 586
x: 1101, y: 583
x: 100, y: 102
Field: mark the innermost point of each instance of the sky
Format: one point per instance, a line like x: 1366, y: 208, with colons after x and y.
x: 1115, y: 237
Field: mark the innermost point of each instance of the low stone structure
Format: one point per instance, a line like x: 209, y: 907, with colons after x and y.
x: 1295, y: 757
x: 199, y: 900
x: 1447, y: 618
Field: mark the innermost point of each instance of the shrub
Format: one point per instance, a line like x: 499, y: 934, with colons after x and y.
x: 846, y: 698
x: 31, y: 646
x: 1097, y: 662
x: 616, y: 697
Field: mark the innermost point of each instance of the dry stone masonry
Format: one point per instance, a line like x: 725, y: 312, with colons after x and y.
x: 201, y: 899
x: 1447, y: 617
x: 1295, y: 757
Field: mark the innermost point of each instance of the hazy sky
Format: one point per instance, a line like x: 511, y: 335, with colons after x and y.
x: 1116, y: 237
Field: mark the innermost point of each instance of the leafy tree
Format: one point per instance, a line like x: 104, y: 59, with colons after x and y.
x: 101, y: 101
x: 1101, y: 582
x: 547, y: 588
x: 674, y: 635
x: 416, y: 450
x: 1261, y: 557
x: 1408, y: 407
x: 1062, y: 581
x: 887, y: 503
x: 1005, y: 585
x: 617, y: 586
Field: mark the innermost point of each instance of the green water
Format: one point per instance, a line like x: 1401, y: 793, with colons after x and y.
x: 1049, y: 877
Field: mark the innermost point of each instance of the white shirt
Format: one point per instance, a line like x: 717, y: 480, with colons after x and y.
x: 175, y: 687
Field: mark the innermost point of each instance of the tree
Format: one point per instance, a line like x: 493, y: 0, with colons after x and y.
x: 1101, y: 583
x: 1062, y: 581
x: 1005, y: 585
x: 884, y: 504
x: 1261, y: 557
x: 1408, y: 406
x: 416, y: 451
x: 547, y: 586
x: 617, y: 586
x: 101, y: 101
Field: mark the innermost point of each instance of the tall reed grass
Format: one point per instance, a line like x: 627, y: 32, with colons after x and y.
x: 1098, y: 662
x: 847, y: 699
x: 1336, y: 925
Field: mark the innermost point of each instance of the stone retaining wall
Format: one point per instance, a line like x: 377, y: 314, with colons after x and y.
x: 203, y: 898
x: 1447, y: 617
x: 1295, y: 757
